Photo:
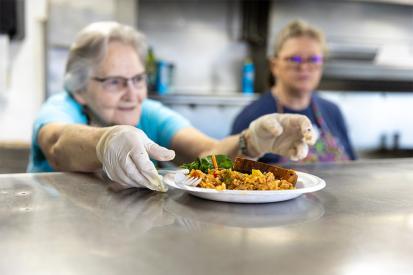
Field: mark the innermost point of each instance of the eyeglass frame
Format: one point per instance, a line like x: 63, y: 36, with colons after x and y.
x: 301, y: 60
x: 142, y: 78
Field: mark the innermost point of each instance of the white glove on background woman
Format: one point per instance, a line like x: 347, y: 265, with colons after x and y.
x: 124, y: 152
x: 282, y: 134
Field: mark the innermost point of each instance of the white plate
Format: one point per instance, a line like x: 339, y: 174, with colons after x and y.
x: 306, y: 183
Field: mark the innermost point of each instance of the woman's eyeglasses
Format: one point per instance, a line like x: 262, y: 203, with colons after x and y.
x: 119, y: 83
x: 296, y: 60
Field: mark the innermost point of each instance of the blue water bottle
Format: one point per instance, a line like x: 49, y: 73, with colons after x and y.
x: 248, y: 74
x: 162, y: 77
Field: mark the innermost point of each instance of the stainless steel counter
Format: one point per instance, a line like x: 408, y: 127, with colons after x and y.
x: 361, y: 223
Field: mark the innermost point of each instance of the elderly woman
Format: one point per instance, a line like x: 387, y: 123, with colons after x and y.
x: 297, y: 66
x: 103, y: 119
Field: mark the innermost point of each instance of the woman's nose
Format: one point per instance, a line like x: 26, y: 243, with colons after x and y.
x: 304, y: 66
x: 132, y: 92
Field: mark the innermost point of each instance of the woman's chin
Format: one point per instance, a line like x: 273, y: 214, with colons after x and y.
x: 300, y: 92
x: 128, y: 121
x: 128, y: 118
x: 131, y: 122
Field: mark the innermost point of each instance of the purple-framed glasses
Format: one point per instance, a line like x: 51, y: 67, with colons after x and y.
x: 298, y: 60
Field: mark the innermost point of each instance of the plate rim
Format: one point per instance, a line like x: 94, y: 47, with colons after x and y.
x: 321, y: 183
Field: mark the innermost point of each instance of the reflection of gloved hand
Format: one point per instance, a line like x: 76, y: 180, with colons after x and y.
x: 124, y: 152
x: 283, y: 134
x: 137, y: 210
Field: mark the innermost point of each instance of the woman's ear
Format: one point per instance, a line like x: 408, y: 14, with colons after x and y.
x: 274, y: 65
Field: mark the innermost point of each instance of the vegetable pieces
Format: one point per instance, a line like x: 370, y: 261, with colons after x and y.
x: 247, y: 166
x: 206, y: 163
x: 220, y: 173
x: 214, y: 161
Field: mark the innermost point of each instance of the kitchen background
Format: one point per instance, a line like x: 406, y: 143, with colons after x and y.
x: 369, y: 73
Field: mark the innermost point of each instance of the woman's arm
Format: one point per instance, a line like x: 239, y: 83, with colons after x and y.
x: 190, y: 143
x: 123, y: 152
x: 70, y: 147
x: 283, y: 134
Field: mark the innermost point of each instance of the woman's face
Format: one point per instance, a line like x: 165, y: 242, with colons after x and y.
x: 298, y: 66
x: 109, y: 99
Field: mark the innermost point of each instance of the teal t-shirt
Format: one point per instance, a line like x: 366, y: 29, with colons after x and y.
x: 158, y: 122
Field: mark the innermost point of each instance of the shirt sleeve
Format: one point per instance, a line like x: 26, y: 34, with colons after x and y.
x: 59, y: 108
x: 160, y: 123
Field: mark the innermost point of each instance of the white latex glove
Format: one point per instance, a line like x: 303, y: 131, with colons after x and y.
x: 124, y: 152
x: 283, y: 134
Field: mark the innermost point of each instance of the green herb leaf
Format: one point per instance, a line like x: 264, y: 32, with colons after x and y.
x: 204, y: 164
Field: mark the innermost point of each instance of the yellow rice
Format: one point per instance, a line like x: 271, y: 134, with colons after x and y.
x: 226, y: 179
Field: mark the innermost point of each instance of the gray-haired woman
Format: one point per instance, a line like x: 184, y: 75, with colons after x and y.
x: 103, y: 119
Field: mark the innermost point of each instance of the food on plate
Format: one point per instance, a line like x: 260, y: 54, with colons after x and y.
x: 204, y: 164
x: 220, y: 173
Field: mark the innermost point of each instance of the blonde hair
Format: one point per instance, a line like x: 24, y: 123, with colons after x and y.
x: 298, y: 28
x: 90, y: 47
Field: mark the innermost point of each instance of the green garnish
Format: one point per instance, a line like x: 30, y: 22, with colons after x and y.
x: 204, y: 164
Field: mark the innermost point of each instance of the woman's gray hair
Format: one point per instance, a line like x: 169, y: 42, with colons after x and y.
x: 90, y: 47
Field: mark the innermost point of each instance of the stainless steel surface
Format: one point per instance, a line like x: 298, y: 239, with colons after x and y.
x: 352, y: 62
x: 361, y: 223
x: 367, y: 71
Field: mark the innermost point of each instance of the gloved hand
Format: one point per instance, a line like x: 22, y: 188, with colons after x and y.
x: 124, y: 152
x: 283, y: 134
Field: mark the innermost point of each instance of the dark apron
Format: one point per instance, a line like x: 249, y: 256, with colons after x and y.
x: 327, y: 148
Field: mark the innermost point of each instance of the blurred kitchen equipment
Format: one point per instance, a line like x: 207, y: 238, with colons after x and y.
x: 363, y: 68
x: 354, y: 53
x: 12, y: 18
x: 14, y: 156
x: 4, y: 61
x: 383, y: 142
x: 171, y: 77
x: 396, y: 141
x: 150, y: 64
